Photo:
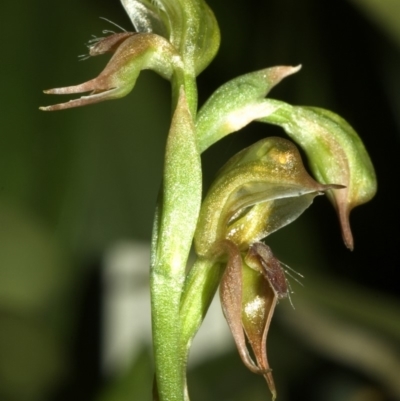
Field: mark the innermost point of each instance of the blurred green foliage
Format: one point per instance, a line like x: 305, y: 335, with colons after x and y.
x: 74, y: 182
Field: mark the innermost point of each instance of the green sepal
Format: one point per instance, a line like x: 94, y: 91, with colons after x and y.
x: 257, y: 192
x: 208, y: 39
x: 237, y: 103
x: 335, y: 153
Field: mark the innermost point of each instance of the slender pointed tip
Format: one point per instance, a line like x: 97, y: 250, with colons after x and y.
x: 276, y: 74
x: 297, y: 68
x: 348, y: 239
x: 62, y: 106
x: 63, y: 91
x: 54, y: 91
x: 271, y: 385
x: 54, y: 107
x: 347, y: 235
x: 289, y: 70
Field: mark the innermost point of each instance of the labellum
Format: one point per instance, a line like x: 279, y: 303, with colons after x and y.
x: 249, y: 292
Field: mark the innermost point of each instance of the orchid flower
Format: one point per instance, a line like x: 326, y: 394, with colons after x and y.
x: 161, y: 43
x: 260, y: 190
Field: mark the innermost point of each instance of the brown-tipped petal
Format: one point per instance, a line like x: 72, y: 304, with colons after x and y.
x: 93, y: 85
x: 86, y: 100
x: 134, y: 53
x: 344, y: 219
x: 339, y: 195
x: 231, y: 300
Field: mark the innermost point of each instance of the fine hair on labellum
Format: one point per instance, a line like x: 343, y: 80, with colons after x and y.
x: 274, y: 271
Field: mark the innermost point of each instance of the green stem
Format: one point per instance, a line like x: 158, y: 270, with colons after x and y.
x: 165, y: 298
x: 174, y: 228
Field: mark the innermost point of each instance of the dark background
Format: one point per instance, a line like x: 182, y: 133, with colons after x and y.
x: 73, y: 183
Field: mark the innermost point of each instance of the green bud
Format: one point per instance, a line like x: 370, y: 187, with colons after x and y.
x: 335, y: 152
x: 261, y: 189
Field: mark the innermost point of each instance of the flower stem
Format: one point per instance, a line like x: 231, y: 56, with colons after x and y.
x: 174, y: 228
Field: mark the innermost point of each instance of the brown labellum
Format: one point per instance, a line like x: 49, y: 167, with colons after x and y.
x: 231, y: 300
x: 261, y: 258
x: 249, y: 293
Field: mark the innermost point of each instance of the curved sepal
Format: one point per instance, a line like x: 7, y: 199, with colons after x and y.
x: 335, y: 153
x: 237, y: 103
x: 208, y: 39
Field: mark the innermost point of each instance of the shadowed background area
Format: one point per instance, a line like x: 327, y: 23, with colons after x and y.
x: 75, y: 183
